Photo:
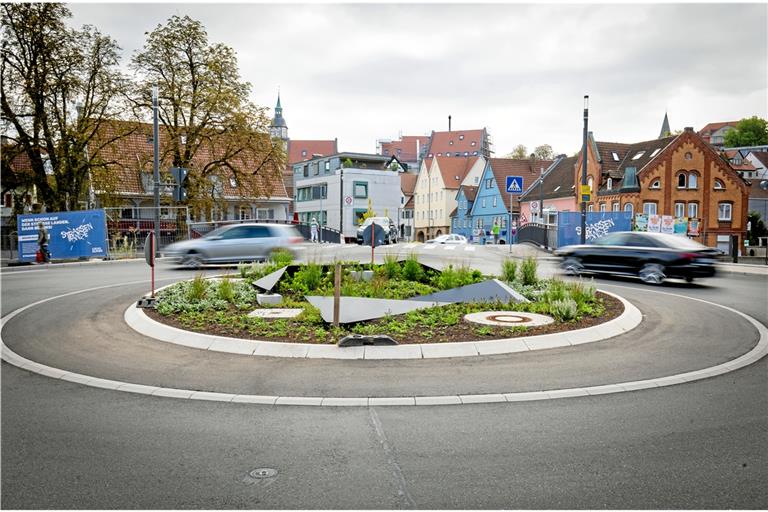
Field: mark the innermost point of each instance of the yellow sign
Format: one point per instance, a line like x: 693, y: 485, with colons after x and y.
x: 586, y: 190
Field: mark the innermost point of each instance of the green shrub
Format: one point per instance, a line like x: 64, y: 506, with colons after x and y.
x: 528, y: 271
x: 556, y: 290
x: 391, y: 268
x: 242, y: 268
x: 412, y: 269
x: 281, y: 257
x: 226, y: 291
x: 509, y: 270
x: 308, y: 278
x: 582, y: 293
x: 563, y: 310
x: 197, y: 289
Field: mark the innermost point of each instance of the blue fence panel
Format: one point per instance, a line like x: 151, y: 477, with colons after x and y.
x: 71, y: 235
x: 599, y: 224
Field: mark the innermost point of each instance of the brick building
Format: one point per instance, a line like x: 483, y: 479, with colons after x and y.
x: 681, y: 176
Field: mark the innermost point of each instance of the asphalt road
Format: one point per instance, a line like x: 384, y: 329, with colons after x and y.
x: 697, y: 445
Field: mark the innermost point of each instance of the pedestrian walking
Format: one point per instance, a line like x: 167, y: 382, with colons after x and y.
x: 495, y: 231
x: 42, y: 242
x: 313, y: 229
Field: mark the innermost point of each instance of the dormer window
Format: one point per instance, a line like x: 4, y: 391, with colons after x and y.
x: 609, y: 184
x: 461, y: 137
x: 719, y: 185
x: 638, y: 155
x: 615, y: 156
x: 655, y: 185
x: 450, y: 142
x: 303, y: 152
x: 655, y: 152
x: 473, y: 143
x: 232, y: 182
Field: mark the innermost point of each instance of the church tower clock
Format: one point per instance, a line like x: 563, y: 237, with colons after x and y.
x: 279, y: 129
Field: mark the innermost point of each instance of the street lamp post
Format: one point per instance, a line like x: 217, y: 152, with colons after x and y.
x: 584, y: 173
x: 156, y: 150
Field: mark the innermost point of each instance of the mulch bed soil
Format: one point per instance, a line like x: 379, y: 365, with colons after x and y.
x: 464, y: 331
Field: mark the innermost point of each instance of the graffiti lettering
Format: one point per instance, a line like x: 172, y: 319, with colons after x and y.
x: 78, y: 233
x: 597, y: 230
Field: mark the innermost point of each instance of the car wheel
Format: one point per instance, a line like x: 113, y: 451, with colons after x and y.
x: 572, y: 266
x: 193, y: 260
x: 652, y: 273
x: 689, y: 279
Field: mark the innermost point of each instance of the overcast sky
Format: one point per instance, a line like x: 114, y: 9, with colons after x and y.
x: 362, y: 72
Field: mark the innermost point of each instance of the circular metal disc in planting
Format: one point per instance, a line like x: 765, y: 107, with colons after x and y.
x: 508, y: 318
x: 276, y: 312
x: 262, y: 473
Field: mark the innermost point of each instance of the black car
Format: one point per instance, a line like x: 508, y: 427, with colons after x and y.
x: 652, y: 257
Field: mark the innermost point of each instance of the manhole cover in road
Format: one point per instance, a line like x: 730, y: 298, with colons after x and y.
x: 263, y: 473
x: 508, y: 318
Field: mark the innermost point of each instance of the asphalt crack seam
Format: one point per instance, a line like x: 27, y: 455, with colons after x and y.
x: 391, y: 460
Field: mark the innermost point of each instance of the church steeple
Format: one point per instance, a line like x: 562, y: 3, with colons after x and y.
x: 665, y: 130
x: 279, y: 128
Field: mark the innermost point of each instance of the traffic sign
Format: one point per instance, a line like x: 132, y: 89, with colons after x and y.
x: 534, y: 206
x: 515, y: 184
x: 348, y: 200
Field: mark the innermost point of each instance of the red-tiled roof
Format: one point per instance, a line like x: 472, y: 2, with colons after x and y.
x: 126, y: 157
x: 530, y: 170
x: 470, y: 192
x: 300, y: 150
x: 408, y: 182
x: 454, y: 170
x: 457, y: 141
x: 558, y: 182
x: 406, y: 147
x: 607, y: 149
x: 762, y: 157
x: 713, y: 127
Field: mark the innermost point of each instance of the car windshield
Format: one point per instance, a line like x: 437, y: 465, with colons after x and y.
x: 377, y: 220
x: 217, y: 231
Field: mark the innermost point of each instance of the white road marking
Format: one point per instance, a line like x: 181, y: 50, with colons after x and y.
x: 429, y: 247
x: 470, y: 248
x: 450, y: 247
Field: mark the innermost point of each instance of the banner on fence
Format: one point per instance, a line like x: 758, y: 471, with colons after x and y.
x: 667, y: 224
x: 654, y: 223
x: 641, y: 222
x: 681, y: 225
x: 599, y: 224
x: 71, y: 235
x: 693, y: 227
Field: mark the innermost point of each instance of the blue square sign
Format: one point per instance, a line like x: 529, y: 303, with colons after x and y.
x: 515, y: 184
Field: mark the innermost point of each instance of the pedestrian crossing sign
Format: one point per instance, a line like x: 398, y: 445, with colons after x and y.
x: 515, y: 184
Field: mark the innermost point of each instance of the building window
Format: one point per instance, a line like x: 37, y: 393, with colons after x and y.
x: 482, y: 203
x: 8, y: 200
x: 693, y: 210
x: 450, y: 143
x: 615, y: 206
x: 590, y: 208
x: 649, y: 208
x: 693, y: 179
x: 681, y: 182
x: 628, y: 207
x: 638, y: 155
x: 655, y: 152
x: 679, y: 209
x: 357, y: 215
x: 232, y: 182
x: 615, y: 156
x: 265, y: 213
x: 609, y: 184
x: 360, y: 190
x: 306, y: 171
x: 655, y: 185
x: 245, y: 213
x: 494, y: 201
x: 473, y: 143
x: 589, y: 183
x: 303, y: 152
x: 327, y: 166
x: 724, y: 211
x: 461, y: 137
x: 602, y: 207
x: 719, y: 185
x: 688, y: 156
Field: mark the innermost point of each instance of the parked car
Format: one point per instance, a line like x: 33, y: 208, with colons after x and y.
x: 233, y: 244
x: 390, y: 229
x: 448, y: 239
x: 653, y: 257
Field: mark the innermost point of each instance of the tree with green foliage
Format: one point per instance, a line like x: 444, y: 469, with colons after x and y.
x: 212, y: 127
x: 59, y: 85
x: 520, y: 152
x: 752, y: 131
x: 544, y: 152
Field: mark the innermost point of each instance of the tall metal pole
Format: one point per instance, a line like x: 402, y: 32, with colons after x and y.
x: 584, y: 173
x: 156, y: 149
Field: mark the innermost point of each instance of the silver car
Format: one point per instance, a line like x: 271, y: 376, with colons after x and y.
x: 233, y: 244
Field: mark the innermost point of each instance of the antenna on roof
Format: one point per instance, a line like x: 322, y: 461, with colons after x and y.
x: 449, y: 122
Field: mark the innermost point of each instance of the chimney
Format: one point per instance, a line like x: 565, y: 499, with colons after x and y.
x: 449, y: 123
x: 689, y: 128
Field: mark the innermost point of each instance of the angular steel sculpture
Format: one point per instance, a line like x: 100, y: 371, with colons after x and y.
x: 486, y: 291
x: 359, y: 309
